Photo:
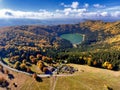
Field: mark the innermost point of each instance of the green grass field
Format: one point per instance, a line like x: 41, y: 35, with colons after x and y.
x: 25, y: 82
x: 90, y: 79
x: 31, y: 84
x: 87, y: 78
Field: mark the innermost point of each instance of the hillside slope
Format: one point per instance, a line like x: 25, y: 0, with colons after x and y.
x: 39, y: 36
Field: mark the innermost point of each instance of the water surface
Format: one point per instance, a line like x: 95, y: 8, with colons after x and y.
x: 75, y: 38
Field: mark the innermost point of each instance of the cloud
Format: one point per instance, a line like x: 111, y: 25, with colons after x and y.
x: 86, y: 5
x: 63, y: 4
x: 75, y: 4
x: 73, y: 12
x: 104, y: 14
x: 98, y: 6
x: 113, y: 8
x: 69, y: 11
x: 8, y: 13
x: 116, y: 14
x: 65, y: 13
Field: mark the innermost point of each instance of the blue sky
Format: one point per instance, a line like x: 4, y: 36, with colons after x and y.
x: 52, y: 9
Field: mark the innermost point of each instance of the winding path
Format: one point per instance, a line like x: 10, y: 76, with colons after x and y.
x: 39, y: 75
x: 15, y: 70
x: 54, y: 78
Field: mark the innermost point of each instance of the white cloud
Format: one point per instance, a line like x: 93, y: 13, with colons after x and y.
x: 104, y: 14
x: 75, y: 4
x: 86, y: 5
x: 91, y: 14
x: 116, y: 14
x: 65, y: 13
x: 69, y: 11
x: 98, y: 6
x: 73, y: 12
x: 22, y: 14
x: 63, y: 4
x: 113, y: 8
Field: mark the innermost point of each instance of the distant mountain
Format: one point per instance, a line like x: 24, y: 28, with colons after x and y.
x: 14, y: 22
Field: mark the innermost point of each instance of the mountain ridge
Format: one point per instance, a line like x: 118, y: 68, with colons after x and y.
x: 94, y: 31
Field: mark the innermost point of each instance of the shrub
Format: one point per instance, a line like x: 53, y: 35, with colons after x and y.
x: 23, y: 66
x: 45, y: 69
x: 110, y: 66
x: 28, y: 70
x: 89, y: 62
x: 40, y: 64
x: 95, y: 63
x: 24, y: 61
x: 105, y: 64
x: 17, y: 65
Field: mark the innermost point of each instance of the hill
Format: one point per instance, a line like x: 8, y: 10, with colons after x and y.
x: 99, y: 36
x: 49, y: 36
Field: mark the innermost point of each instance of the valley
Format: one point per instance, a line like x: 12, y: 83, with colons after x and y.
x: 59, y: 44
x: 41, y: 50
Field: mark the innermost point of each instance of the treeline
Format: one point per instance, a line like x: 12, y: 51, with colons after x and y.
x: 103, y: 59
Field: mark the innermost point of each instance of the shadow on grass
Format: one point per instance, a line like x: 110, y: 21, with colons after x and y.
x: 4, y: 84
x: 39, y: 79
x: 10, y: 76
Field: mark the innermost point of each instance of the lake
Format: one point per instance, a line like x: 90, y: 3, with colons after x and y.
x: 75, y: 38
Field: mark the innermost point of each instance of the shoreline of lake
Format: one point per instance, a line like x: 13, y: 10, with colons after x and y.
x: 75, y: 38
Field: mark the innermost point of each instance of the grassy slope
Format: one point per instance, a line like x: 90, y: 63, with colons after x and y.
x: 90, y: 79
x: 25, y: 82
x: 31, y: 84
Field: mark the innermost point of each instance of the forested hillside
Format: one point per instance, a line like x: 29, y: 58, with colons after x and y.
x: 99, y: 37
